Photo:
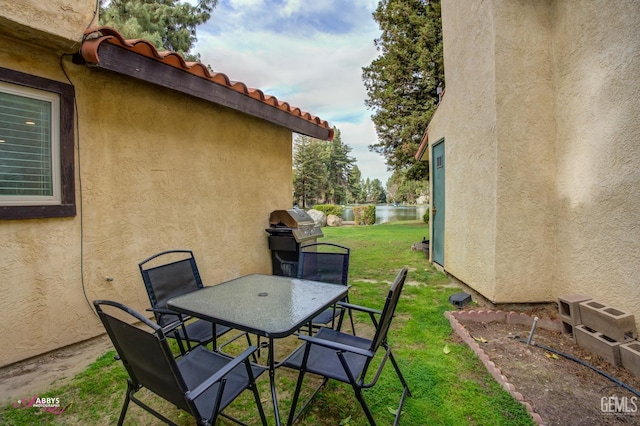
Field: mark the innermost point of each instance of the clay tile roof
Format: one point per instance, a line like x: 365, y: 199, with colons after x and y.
x: 96, y: 51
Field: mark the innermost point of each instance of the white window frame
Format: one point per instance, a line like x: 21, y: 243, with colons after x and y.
x: 54, y: 101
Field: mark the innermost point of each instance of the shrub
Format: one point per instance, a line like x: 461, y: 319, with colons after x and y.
x: 425, y: 217
x: 330, y: 209
x: 364, y: 215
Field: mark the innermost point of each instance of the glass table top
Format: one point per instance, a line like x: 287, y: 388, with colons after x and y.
x: 269, y: 305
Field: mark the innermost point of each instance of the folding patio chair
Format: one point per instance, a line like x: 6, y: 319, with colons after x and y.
x: 329, y: 263
x: 202, y: 382
x: 164, y: 281
x: 346, y: 358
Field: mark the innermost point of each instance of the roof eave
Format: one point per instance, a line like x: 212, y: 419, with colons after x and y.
x: 123, y: 61
x: 423, y: 146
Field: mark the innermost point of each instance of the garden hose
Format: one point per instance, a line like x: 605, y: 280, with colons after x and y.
x: 581, y: 362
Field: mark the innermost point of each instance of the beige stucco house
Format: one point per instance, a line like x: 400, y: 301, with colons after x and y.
x: 147, y: 153
x: 535, y: 149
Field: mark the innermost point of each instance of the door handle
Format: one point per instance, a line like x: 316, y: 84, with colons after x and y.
x: 433, y: 211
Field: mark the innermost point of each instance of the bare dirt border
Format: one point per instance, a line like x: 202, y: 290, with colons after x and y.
x: 498, y: 316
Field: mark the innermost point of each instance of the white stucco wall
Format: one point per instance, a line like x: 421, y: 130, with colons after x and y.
x: 499, y: 146
x: 470, y: 145
x: 155, y: 170
x: 525, y: 173
x: 596, y: 53
x: 541, y: 132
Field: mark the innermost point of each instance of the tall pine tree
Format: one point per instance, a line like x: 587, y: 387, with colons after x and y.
x: 339, y: 165
x: 355, y: 194
x: 309, y: 170
x: 168, y: 24
x: 402, y: 81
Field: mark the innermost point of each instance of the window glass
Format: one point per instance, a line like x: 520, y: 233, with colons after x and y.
x: 37, y: 171
x: 28, y: 146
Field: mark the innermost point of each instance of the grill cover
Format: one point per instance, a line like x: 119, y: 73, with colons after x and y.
x: 293, y: 221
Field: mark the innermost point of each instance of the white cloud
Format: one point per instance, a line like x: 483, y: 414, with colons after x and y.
x: 291, y: 7
x: 309, y: 54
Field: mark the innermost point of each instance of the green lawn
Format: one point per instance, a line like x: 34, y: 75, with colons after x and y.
x: 448, y: 389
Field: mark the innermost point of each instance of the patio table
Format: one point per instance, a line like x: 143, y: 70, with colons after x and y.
x: 271, y: 306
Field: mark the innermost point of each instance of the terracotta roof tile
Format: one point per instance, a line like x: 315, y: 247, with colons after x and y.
x: 95, y: 37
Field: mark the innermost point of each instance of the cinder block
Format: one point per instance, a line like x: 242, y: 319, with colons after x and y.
x: 569, y: 309
x: 609, y: 321
x: 567, y: 330
x: 630, y: 357
x: 598, y: 343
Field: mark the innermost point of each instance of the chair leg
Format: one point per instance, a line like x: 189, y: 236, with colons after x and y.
x: 256, y: 395
x: 342, y: 314
x: 405, y: 387
x: 180, y: 344
x: 399, y: 373
x: 358, y: 391
x: 294, y: 403
x: 125, y: 405
x: 253, y: 355
x: 353, y: 327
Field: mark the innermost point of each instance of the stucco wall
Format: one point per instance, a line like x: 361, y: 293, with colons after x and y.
x: 158, y: 170
x: 541, y: 132
x: 596, y: 54
x: 525, y: 211
x: 63, y: 20
x: 470, y: 143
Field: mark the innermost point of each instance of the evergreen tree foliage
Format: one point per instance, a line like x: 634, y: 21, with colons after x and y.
x: 355, y: 186
x: 339, y: 165
x: 402, y: 81
x: 377, y: 193
x: 168, y: 24
x: 321, y: 170
x: 309, y: 170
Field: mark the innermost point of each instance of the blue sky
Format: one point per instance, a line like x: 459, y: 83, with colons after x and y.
x: 307, y: 53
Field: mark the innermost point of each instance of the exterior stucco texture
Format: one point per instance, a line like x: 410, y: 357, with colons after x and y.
x: 541, y: 136
x: 155, y: 170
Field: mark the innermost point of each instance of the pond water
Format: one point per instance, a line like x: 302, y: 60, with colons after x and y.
x: 385, y: 213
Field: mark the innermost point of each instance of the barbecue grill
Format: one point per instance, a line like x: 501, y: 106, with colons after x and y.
x: 288, y: 230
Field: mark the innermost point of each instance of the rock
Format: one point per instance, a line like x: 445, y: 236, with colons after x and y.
x: 319, y: 218
x: 333, y: 220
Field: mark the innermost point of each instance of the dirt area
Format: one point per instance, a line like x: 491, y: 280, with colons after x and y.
x: 37, y: 375
x: 561, y: 391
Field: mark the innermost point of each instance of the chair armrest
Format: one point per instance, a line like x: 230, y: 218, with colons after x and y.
x: 359, y: 308
x: 335, y: 345
x: 171, y: 327
x: 220, y: 374
x: 165, y: 311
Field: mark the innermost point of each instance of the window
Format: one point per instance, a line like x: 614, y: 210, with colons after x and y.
x: 36, y: 147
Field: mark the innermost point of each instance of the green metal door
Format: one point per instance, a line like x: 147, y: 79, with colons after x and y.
x: 437, y: 203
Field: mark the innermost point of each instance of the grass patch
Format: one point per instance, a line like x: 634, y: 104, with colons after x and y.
x: 448, y: 389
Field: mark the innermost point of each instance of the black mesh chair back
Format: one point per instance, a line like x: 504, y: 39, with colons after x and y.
x: 169, y: 280
x: 202, y: 382
x: 178, y: 275
x: 389, y: 310
x: 326, y: 262
x: 333, y: 354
